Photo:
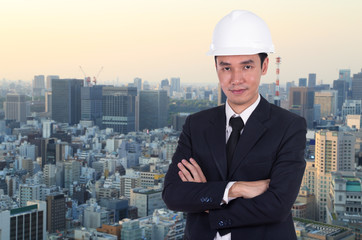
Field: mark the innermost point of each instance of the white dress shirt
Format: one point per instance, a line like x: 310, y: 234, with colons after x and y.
x: 244, y: 116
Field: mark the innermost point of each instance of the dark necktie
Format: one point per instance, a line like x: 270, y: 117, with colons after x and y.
x: 236, y: 124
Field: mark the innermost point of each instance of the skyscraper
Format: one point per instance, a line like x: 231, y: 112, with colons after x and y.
x: 302, y: 82
x: 48, y: 83
x: 15, y: 107
x: 66, y: 100
x: 312, y: 78
x: 153, y: 109
x: 341, y: 87
x: 345, y: 75
x: 328, y: 102
x: 119, y: 108
x: 38, y: 85
x: 91, y: 104
x: 55, y: 212
x: 48, y: 102
x: 175, y: 85
x: 301, y: 102
x: 357, y: 86
x: 334, y: 152
x: 138, y: 84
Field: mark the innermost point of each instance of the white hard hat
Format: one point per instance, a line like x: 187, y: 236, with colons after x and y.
x: 241, y: 33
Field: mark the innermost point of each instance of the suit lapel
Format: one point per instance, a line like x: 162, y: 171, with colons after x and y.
x: 253, y: 130
x: 216, y: 139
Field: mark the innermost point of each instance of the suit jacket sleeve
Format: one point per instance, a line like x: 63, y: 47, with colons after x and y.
x: 189, y: 196
x: 275, y: 204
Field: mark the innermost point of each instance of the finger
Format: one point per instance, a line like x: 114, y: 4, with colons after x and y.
x: 185, y: 172
x: 182, y: 176
x: 198, y: 169
x: 192, y: 169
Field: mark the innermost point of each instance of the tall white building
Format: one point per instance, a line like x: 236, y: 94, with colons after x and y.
x: 49, y: 174
x: 27, y: 150
x: 48, y: 128
x: 334, y: 152
x: 29, y: 192
x: 72, y: 172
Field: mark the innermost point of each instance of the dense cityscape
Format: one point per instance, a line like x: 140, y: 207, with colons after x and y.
x: 82, y: 160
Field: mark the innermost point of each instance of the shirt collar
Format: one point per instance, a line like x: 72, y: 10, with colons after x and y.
x: 244, y: 115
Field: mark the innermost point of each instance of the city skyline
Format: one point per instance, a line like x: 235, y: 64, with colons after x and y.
x: 163, y: 39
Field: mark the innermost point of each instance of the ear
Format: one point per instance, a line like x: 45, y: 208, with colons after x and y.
x: 264, y: 68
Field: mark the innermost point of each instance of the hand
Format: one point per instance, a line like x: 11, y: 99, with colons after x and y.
x: 248, y: 189
x: 191, y: 171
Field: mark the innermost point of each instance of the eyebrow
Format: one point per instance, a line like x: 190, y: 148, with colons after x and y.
x: 250, y: 61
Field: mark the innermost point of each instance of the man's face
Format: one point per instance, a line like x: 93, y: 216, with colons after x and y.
x: 239, y: 78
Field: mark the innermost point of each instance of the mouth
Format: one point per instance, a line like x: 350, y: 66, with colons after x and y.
x: 237, y: 91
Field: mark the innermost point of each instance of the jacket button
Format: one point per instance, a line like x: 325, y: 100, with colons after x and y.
x: 221, y: 223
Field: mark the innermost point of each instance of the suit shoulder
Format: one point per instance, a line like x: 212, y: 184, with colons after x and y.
x: 207, y: 113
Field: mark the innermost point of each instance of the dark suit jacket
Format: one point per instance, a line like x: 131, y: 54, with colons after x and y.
x: 271, y: 147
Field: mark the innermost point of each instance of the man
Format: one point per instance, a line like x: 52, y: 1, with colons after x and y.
x: 238, y: 167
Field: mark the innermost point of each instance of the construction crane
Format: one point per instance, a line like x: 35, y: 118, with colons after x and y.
x: 96, y: 77
x: 89, y: 79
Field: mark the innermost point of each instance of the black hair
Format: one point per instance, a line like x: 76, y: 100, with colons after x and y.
x: 262, y: 57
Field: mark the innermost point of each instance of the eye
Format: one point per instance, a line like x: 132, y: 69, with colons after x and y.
x: 226, y: 69
x: 248, y: 67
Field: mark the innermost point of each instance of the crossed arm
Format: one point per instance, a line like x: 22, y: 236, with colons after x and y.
x: 191, y: 172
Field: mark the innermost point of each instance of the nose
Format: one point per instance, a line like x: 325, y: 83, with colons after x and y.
x: 237, y: 77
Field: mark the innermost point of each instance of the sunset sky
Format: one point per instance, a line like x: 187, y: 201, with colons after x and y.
x: 158, y: 39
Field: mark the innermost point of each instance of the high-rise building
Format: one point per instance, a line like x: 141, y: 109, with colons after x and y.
x: 38, y: 85
x: 341, y: 87
x: 153, y: 109
x: 351, y: 107
x: 15, y: 107
x: 49, y: 174
x: 344, y: 206
x: 328, y: 102
x: 127, y: 184
x: 178, y: 120
x: 56, y: 211
x: 312, y: 79
x: 302, y: 82
x: 28, y: 151
x: 48, y: 102
x: 175, y: 85
x: 71, y: 173
x: 345, y: 75
x: 119, y: 108
x: 91, y: 104
x: 66, y: 100
x: 146, y: 200
x: 131, y: 230
x: 301, y: 102
x: 29, y: 193
x: 48, y: 83
x: 28, y: 165
x: 357, y: 86
x: 164, y: 83
x: 48, y: 128
x: 334, y: 152
x: 137, y: 82
x: 26, y: 222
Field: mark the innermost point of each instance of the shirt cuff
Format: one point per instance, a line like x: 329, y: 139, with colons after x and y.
x: 226, y: 199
